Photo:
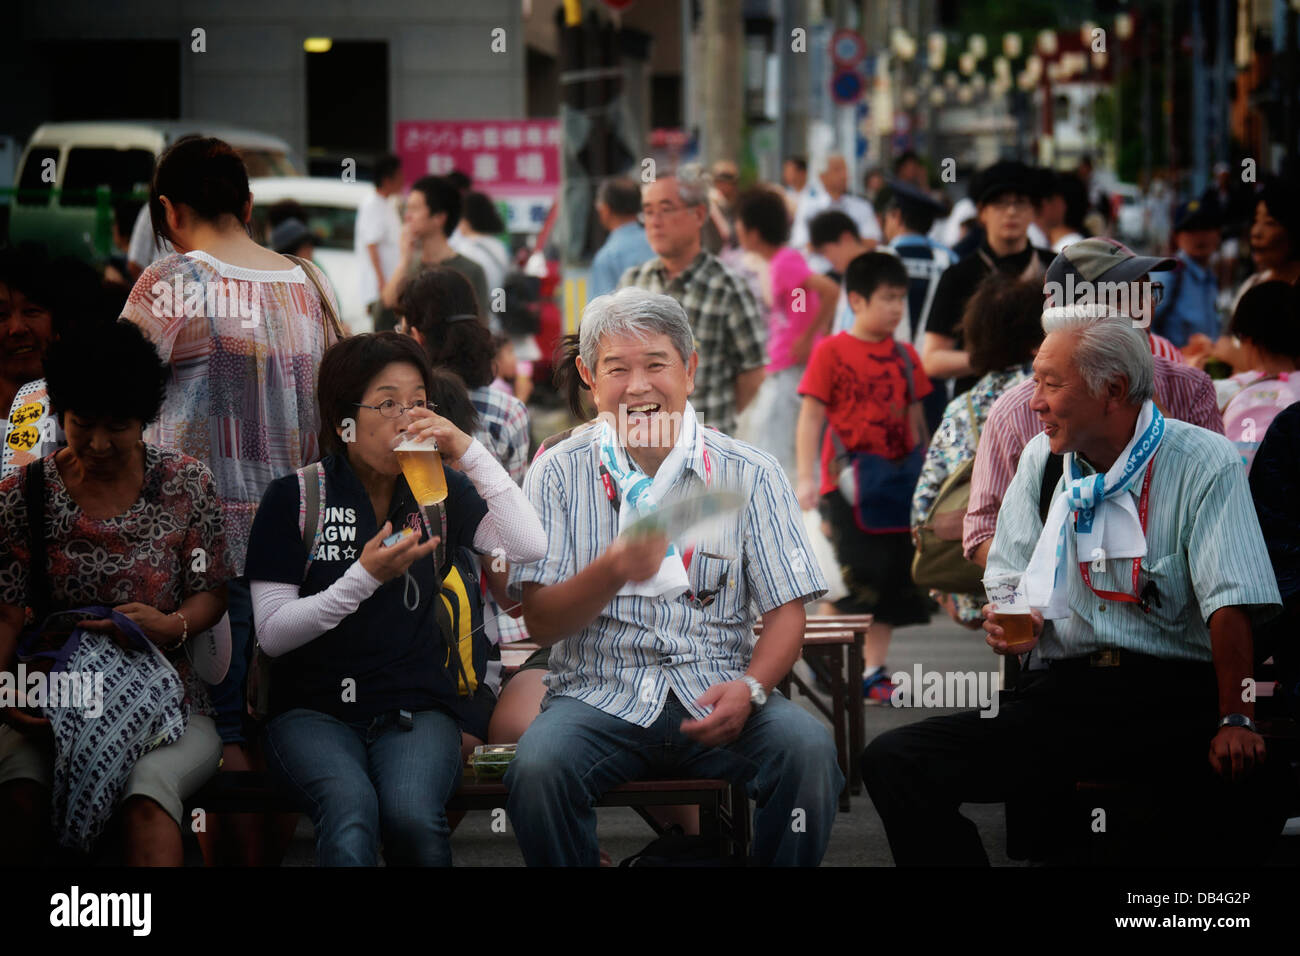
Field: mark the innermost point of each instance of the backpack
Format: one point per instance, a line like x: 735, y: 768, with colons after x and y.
x: 1248, y: 415
x: 459, y: 610
x: 938, y: 562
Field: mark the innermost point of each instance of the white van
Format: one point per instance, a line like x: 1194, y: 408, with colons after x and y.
x: 72, y: 174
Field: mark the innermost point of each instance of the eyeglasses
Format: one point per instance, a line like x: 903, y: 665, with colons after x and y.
x: 650, y: 212
x: 391, y: 409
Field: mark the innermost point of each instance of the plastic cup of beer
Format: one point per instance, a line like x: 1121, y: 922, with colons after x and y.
x: 1010, y: 610
x: 422, y: 465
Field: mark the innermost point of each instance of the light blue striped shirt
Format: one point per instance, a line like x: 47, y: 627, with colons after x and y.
x: 638, y: 649
x: 1204, y: 551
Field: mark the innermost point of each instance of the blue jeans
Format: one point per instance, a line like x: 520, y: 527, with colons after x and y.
x: 228, y: 697
x: 367, y: 782
x: 573, y: 752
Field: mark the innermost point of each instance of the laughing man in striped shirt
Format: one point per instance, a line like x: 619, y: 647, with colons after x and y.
x: 654, y: 670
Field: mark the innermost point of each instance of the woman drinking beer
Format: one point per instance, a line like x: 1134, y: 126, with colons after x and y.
x: 371, y: 688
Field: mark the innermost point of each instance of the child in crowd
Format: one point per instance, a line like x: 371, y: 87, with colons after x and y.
x: 867, y: 388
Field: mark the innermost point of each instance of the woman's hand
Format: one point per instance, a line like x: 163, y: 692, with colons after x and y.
x: 162, y: 629
x: 452, y: 442
x: 385, y: 564
x: 24, y: 722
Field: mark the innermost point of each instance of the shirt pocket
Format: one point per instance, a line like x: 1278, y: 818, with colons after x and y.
x: 713, y: 582
x: 1172, y: 601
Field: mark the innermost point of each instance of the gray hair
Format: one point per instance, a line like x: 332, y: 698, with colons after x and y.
x: 637, y: 313
x: 693, y: 182
x: 1108, y: 348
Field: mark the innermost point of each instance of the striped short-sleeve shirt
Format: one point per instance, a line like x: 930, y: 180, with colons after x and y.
x: 638, y: 649
x: 1204, y: 551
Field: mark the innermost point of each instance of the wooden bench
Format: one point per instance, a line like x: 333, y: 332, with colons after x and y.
x: 724, y: 806
x: 836, y: 642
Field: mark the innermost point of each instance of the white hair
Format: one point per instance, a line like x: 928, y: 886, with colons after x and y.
x: 1108, y: 348
x: 637, y: 313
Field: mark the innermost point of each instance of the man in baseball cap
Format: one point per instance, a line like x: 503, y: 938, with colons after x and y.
x: 1103, y: 271
x: 1075, y: 277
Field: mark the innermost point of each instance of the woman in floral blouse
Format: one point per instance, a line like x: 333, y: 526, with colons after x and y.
x: 133, y: 528
x: 1002, y: 326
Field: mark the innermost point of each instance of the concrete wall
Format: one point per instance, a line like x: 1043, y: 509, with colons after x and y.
x: 440, y: 60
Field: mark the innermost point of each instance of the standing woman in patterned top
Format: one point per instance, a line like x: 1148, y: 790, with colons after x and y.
x: 243, y: 330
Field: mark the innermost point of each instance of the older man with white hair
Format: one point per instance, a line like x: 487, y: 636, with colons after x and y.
x: 834, y: 195
x: 654, y: 669
x: 1152, y: 571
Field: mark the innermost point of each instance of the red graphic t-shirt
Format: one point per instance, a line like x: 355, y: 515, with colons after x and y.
x: 864, y: 388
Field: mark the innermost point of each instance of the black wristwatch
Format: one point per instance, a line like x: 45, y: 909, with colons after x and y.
x: 1239, y: 720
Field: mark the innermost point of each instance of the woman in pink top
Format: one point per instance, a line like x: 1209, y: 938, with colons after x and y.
x: 799, y: 316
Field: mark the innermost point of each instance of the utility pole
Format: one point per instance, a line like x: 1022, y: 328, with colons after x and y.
x: 723, y: 94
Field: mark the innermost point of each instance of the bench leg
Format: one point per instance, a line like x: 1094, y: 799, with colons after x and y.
x: 840, y: 712
x: 857, y: 719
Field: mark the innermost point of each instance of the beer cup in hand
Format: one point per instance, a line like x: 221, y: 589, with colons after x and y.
x: 1012, y: 627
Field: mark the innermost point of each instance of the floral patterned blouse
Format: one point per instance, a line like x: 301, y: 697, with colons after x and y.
x: 953, y: 444
x: 147, y: 554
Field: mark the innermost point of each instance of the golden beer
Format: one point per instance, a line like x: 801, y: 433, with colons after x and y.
x: 1017, y: 629
x: 422, y: 466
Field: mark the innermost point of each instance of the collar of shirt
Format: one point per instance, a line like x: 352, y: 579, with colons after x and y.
x: 686, y: 275
x: 344, y: 482
x: 1194, y: 270
x: 1012, y: 263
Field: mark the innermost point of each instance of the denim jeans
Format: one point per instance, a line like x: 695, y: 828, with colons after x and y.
x: 367, y: 782
x: 573, y: 752
x: 228, y: 697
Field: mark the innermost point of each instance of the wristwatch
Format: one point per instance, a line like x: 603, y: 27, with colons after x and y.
x: 1239, y: 720
x: 757, y: 696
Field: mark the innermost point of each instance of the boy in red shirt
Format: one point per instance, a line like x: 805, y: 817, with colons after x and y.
x: 857, y: 383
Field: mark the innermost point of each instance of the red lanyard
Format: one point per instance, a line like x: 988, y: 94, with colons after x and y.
x: 1142, y: 519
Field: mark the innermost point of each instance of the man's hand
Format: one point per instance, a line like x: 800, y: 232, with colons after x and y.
x: 638, y: 558
x: 995, y: 637
x: 731, y: 708
x: 1235, y: 751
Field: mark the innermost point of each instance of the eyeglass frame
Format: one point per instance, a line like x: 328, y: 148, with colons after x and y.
x: 405, y: 409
